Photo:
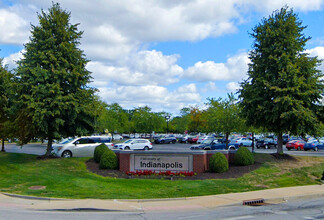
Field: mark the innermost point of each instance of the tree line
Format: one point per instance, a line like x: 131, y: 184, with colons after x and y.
x: 48, y: 95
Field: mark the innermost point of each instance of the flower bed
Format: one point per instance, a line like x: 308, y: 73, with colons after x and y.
x: 160, y: 173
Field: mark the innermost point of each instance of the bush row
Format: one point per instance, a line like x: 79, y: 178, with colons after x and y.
x: 219, y: 164
x: 106, y: 158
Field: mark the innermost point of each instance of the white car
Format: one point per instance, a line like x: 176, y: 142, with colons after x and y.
x: 75, y: 147
x: 135, y: 144
x: 117, y: 137
x: 243, y: 141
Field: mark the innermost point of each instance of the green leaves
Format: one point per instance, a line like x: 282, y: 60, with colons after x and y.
x: 53, y: 78
x: 284, y: 86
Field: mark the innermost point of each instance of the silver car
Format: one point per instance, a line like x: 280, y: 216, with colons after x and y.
x: 75, y: 147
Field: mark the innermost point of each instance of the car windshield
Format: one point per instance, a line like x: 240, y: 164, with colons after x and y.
x: 207, y: 141
x: 66, y: 140
x: 128, y: 141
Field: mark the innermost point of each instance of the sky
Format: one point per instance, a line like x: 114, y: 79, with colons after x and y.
x: 166, y: 54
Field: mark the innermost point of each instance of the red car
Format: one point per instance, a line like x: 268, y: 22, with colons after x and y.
x: 193, y: 139
x: 295, y: 144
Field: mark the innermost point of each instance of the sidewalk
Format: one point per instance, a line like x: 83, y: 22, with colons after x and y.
x: 202, y: 202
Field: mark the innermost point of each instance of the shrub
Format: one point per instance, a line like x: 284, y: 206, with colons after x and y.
x: 99, y: 151
x: 243, y: 157
x: 108, y: 160
x: 218, y: 163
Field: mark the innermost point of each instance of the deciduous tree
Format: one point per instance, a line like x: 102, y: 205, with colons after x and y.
x: 284, y: 86
x: 6, y: 94
x: 224, y: 116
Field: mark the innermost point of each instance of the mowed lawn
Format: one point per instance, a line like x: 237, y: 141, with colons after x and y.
x: 69, y: 178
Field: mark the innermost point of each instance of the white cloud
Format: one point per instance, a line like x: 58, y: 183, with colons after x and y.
x: 300, y: 5
x: 12, y: 59
x: 142, y: 68
x: 319, y: 52
x: 232, y: 87
x: 13, y: 28
x: 234, y: 69
x: 158, y: 97
x: 210, y: 86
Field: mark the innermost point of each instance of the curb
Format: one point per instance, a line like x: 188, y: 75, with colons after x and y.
x: 31, y: 197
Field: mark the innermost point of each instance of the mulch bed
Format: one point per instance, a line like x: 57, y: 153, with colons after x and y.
x: 283, y: 157
x: 46, y: 157
x: 233, y: 172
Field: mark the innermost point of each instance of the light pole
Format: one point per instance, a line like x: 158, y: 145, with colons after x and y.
x: 167, y: 118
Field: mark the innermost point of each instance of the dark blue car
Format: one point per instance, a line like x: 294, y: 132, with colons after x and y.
x: 165, y: 140
x: 214, y: 145
x: 315, y: 145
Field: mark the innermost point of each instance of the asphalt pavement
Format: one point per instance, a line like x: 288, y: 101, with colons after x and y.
x: 40, y: 149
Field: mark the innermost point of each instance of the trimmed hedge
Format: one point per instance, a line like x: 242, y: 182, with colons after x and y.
x: 108, y: 160
x: 243, y: 157
x: 218, y: 163
x: 99, y: 151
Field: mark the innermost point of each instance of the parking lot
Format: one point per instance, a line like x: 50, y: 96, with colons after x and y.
x: 39, y: 149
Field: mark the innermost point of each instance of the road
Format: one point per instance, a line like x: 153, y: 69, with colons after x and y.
x: 311, y: 208
x: 39, y: 149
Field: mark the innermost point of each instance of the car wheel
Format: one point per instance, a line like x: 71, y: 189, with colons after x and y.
x: 162, y: 142
x: 258, y: 147
x: 67, y: 154
x: 241, y: 144
x: 298, y: 148
x: 127, y: 148
x: 207, y: 148
x: 315, y: 149
x: 146, y: 148
x: 266, y: 147
x: 232, y: 148
x: 289, y: 148
x: 174, y: 141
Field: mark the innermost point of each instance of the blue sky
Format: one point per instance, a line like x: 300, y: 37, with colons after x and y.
x: 167, y: 54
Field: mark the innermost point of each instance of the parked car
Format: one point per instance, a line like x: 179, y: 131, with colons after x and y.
x: 193, y: 139
x: 315, y: 145
x: 202, y: 138
x: 75, y: 147
x: 243, y: 141
x: 104, y: 140
x: 201, y: 146
x: 117, y: 137
x: 214, y: 145
x: 165, y: 139
x: 295, y: 144
x: 184, y: 139
x: 285, y: 139
x: 266, y: 143
x: 135, y: 144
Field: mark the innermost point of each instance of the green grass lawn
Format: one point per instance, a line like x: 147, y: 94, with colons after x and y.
x: 69, y: 178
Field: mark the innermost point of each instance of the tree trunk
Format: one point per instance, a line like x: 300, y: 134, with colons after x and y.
x: 226, y: 139
x: 280, y: 143
x: 2, y: 145
x: 252, y: 142
x: 49, y: 146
